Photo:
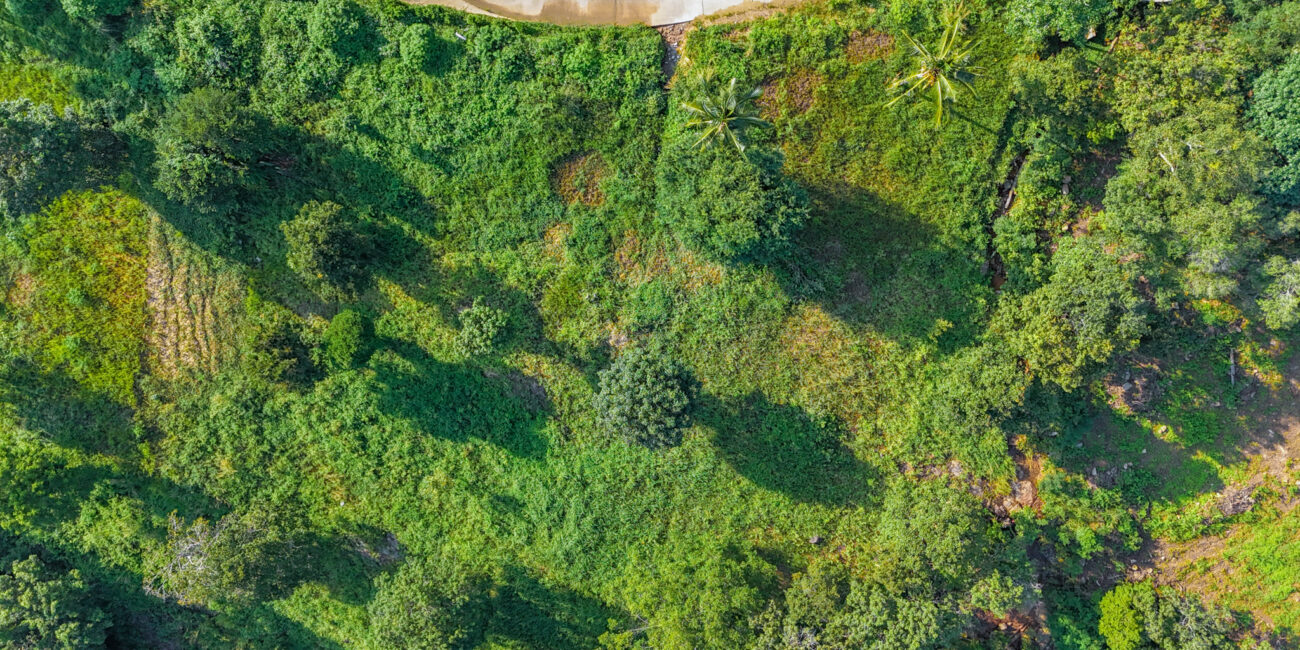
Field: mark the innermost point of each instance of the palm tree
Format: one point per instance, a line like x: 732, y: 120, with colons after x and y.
x: 724, y: 116
x: 942, y: 68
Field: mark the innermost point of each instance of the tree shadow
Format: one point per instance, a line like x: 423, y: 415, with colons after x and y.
x: 871, y: 262
x: 781, y: 448
x: 531, y: 614
x: 456, y: 402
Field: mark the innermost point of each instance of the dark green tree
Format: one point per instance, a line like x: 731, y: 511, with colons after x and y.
x: 43, y: 155
x: 325, y: 250
x: 338, y: 25
x: 644, y: 398
x: 428, y: 602
x: 205, y: 146
x: 1275, y: 112
x: 732, y: 208
x: 43, y: 608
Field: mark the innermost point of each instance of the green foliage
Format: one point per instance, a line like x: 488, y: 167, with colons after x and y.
x: 723, y: 116
x: 1275, y: 113
x: 325, y: 249
x: 732, y: 208
x: 645, y: 398
x: 43, y: 608
x: 341, y: 345
x: 43, y: 155
x: 428, y: 602
x: 1070, y: 20
x: 205, y: 146
x: 86, y: 255
x: 480, y: 326
x: 1281, y: 300
x: 95, y: 9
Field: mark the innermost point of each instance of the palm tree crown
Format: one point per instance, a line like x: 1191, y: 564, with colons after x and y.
x: 724, y: 116
x: 943, y: 67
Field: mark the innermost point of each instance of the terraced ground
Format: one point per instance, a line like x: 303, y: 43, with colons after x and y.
x: 194, y: 305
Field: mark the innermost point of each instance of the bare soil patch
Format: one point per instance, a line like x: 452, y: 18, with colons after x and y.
x: 865, y: 46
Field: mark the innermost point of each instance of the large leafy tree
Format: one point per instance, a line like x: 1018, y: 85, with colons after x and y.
x: 205, y: 146
x: 43, y: 608
x: 941, y: 68
x: 238, y: 559
x: 723, y: 115
x: 1281, y: 300
x: 325, y: 250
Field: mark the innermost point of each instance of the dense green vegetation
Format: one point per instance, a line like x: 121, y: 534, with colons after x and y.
x: 349, y: 323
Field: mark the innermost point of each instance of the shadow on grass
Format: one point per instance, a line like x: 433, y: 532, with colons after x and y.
x: 870, y: 262
x: 781, y: 448
x: 456, y: 402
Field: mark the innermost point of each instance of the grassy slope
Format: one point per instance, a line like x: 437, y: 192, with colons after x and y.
x: 808, y: 366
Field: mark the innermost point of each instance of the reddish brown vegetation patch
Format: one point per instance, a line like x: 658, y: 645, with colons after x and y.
x: 577, y: 179
x: 866, y: 46
x: 789, y: 95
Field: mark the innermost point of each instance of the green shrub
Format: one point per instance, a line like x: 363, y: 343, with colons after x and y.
x: 732, y: 207
x: 428, y: 603
x: 645, y: 398
x: 324, y: 250
x: 342, y: 342
x: 1121, y: 620
x: 41, y: 608
x: 480, y: 325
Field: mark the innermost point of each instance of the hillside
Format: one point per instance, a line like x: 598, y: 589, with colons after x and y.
x: 909, y: 324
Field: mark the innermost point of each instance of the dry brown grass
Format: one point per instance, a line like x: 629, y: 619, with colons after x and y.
x: 192, y: 305
x: 576, y: 179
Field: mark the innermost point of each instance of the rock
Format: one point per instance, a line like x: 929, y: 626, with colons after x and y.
x: 1235, y: 502
x: 815, y: 540
x: 955, y: 468
x: 1135, y: 389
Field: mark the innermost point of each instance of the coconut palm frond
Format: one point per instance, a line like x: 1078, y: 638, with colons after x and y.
x: 724, y: 116
x: 943, y: 68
